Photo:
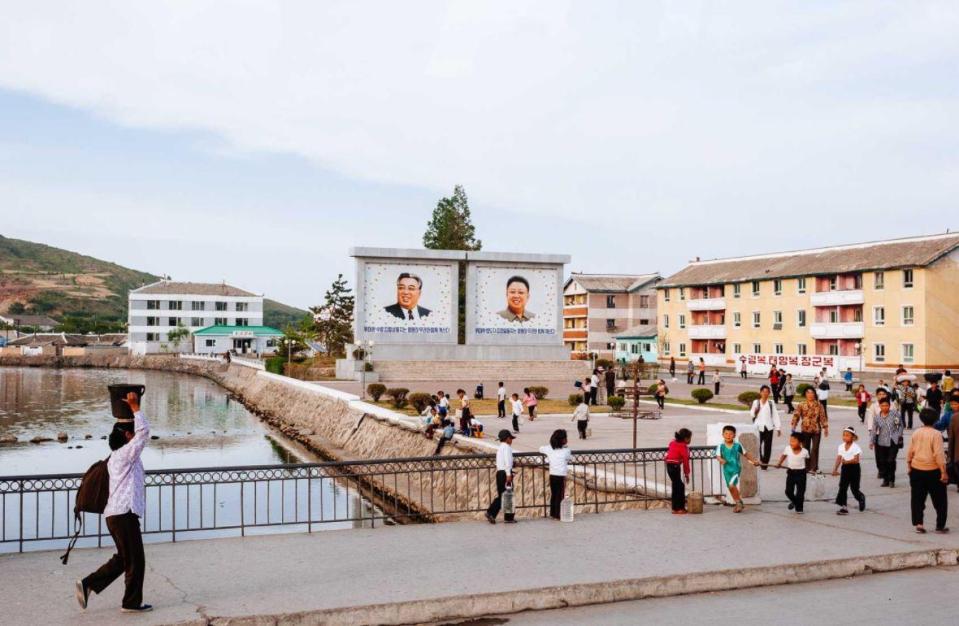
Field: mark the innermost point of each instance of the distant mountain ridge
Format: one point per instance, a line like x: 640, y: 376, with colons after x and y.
x: 83, y: 292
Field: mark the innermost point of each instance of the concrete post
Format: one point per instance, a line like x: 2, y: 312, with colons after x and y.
x: 749, y: 478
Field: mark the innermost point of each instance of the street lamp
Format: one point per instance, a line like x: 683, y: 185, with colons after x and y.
x: 366, y: 350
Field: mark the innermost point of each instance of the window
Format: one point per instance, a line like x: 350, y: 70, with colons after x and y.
x: 196, y: 321
x: 175, y: 305
x: 908, y: 316
x: 153, y: 305
x: 778, y: 348
x: 210, y: 343
x: 219, y: 321
x: 755, y: 288
x: 778, y: 287
x: 777, y: 320
x: 221, y: 306
x: 757, y: 348
x: 879, y: 281
x: 682, y: 321
x: 171, y: 321
x: 198, y: 306
x: 907, y: 279
x: 801, y: 349
x: 737, y: 348
x: 737, y: 290
x: 682, y: 349
x: 908, y: 353
x: 857, y: 281
x: 879, y: 352
x: 153, y: 336
x: 242, y: 306
x: 801, y: 285
x: 153, y: 321
x: 833, y: 349
x: 610, y: 302
x: 737, y: 319
x: 242, y: 321
x: 665, y: 321
x: 644, y: 322
x: 666, y: 347
x: 801, y: 318
x: 610, y: 324
x: 755, y: 319
x: 682, y: 293
x: 665, y: 295
x: 648, y: 347
x: 879, y: 316
x: 833, y: 316
x: 644, y: 302
x: 857, y: 315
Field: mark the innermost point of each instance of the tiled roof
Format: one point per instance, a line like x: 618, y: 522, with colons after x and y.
x: 47, y: 339
x: 881, y: 255
x: 30, y: 320
x: 612, y: 283
x: 643, y: 331
x: 169, y: 287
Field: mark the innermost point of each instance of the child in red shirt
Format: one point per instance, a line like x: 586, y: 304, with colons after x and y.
x: 677, y: 455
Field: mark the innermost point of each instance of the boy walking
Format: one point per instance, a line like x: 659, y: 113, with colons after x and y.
x: 501, y: 401
x: 794, y: 457
x: 728, y: 454
x: 504, y: 476
x: 847, y: 459
x: 516, y: 406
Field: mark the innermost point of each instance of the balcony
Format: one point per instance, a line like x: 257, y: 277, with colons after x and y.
x: 706, y: 304
x: 836, y: 298
x: 707, y: 331
x: 844, y: 330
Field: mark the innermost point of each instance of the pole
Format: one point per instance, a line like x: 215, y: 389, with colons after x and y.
x: 635, y: 401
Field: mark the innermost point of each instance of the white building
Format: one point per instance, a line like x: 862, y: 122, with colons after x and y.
x: 259, y: 340
x: 158, y: 308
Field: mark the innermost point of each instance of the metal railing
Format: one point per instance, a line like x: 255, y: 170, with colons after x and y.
x: 36, y: 512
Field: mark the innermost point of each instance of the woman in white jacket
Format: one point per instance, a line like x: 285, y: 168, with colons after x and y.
x: 766, y: 418
x: 559, y: 456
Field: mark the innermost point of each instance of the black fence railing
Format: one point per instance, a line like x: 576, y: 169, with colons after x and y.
x: 36, y: 512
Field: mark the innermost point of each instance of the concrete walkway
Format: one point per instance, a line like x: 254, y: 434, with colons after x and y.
x: 423, y: 573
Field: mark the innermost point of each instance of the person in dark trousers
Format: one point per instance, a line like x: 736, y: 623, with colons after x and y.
x: 810, y: 420
x: 504, y: 476
x: 594, y: 387
x: 907, y: 402
x: 885, y: 436
x: 610, y: 379
x: 581, y: 417
x: 124, y: 509
x: 558, y: 456
x: 742, y: 369
x: 766, y: 418
x: 501, y: 401
x: 677, y: 458
x: 926, y: 464
x: 516, y: 409
x: 448, y: 432
x: 690, y: 372
x: 789, y: 391
x: 717, y: 380
x: 774, y: 383
x: 934, y: 397
x: 795, y: 457
x: 849, y: 470
x: 702, y: 372
x: 672, y: 367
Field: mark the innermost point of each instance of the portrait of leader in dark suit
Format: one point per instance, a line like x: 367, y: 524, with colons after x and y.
x: 517, y: 296
x: 409, y: 287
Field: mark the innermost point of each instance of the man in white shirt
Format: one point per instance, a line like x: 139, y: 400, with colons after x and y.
x: 501, y: 401
x: 125, y: 507
x: 766, y: 418
x: 504, y: 477
x: 516, y: 406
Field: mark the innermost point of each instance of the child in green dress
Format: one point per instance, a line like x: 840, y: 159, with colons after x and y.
x: 728, y: 454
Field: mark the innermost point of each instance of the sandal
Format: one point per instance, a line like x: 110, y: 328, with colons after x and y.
x: 920, y: 530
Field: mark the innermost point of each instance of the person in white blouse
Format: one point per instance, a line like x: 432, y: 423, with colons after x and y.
x: 766, y: 418
x: 504, y: 476
x: 125, y: 507
x: 559, y: 456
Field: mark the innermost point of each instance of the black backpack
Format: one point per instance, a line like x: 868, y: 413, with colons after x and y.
x: 92, y: 496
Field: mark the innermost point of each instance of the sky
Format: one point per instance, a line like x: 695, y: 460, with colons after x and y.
x: 256, y: 142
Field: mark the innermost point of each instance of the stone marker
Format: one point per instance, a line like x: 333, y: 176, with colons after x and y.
x: 749, y: 478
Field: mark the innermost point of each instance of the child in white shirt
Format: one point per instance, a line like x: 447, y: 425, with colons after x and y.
x: 517, y: 407
x: 794, y: 457
x: 847, y: 458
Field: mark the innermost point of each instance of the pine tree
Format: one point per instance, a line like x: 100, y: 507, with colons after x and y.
x: 334, y: 318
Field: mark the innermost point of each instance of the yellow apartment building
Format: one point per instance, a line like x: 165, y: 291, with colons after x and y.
x: 868, y: 306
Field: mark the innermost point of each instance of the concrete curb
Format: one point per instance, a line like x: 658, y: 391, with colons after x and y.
x: 506, y: 602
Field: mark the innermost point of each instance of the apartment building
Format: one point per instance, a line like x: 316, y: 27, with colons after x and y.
x: 158, y: 308
x: 868, y: 306
x: 596, y: 307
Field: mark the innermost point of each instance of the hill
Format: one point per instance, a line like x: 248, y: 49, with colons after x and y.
x: 82, y: 292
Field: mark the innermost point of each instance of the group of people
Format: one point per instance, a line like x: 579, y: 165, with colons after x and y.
x: 599, y: 386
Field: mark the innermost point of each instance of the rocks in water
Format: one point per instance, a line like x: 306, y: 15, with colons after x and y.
x: 88, y: 436
x: 305, y: 432
x: 154, y: 436
x: 62, y: 436
x: 8, y: 439
x: 78, y: 447
x: 40, y: 439
x: 103, y: 437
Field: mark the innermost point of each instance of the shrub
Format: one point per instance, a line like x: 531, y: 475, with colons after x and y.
x: 616, y: 402
x: 652, y: 389
x: 605, y: 363
x: 368, y: 367
x: 398, y: 396
x: 575, y: 398
x: 419, y: 400
x: 801, y: 389
x: 376, y: 391
x: 748, y: 397
x: 274, y: 365
x: 539, y: 392
x: 702, y: 395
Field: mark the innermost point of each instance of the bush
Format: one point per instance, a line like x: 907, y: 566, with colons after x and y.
x: 605, y: 363
x: 702, y: 395
x: 539, y: 392
x: 575, y: 399
x: 274, y: 365
x: 802, y: 387
x: 419, y: 400
x: 398, y: 396
x: 748, y: 397
x: 376, y: 391
x: 616, y: 402
x: 368, y: 367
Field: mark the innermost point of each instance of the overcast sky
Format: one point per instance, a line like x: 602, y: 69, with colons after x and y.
x: 255, y: 142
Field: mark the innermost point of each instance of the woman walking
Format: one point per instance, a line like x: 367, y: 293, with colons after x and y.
x: 862, y: 402
x: 581, y: 417
x: 661, y: 391
x: 810, y: 420
x: 926, y: 464
x: 677, y: 456
x: 529, y: 399
x: 789, y: 392
x: 766, y: 419
x: 558, y: 455
x: 672, y: 368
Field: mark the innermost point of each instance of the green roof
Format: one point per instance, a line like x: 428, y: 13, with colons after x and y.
x: 254, y: 331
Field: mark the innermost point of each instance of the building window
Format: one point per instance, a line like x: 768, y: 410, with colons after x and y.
x: 801, y: 285
x: 682, y: 349
x: 219, y: 321
x: 833, y: 349
x: 879, y: 316
x: 755, y: 319
x: 634, y: 348
x: 857, y: 281
x: 610, y: 302
x: 242, y: 306
x: 153, y: 336
x: 737, y: 319
x: 682, y: 293
x: 665, y: 295
x: 755, y: 288
x: 682, y: 321
x: 801, y: 349
x: 879, y: 281
x: 778, y: 287
x: 737, y: 348
x: 644, y: 322
x: 908, y: 316
x: 908, y: 353
x: 801, y: 318
x: 648, y: 347
x: 175, y: 305
x: 778, y: 348
x: 777, y: 320
x: 644, y: 302
x: 153, y: 305
x: 757, y: 348
x: 833, y: 316
x: 666, y: 348
x: 907, y: 279
x: 221, y: 306
x: 210, y: 343
x: 171, y: 321
x: 610, y: 324
x: 196, y: 322
x: 737, y: 290
x: 198, y: 306
x: 857, y: 315
x: 242, y: 321
x: 665, y: 321
x: 879, y: 352
x: 153, y: 321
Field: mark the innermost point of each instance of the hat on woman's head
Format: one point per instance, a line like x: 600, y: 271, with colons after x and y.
x: 851, y: 431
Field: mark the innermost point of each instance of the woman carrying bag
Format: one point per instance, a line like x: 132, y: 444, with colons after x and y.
x: 766, y: 419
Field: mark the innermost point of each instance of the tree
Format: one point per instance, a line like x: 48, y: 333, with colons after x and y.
x: 334, y: 318
x: 451, y: 228
x: 296, y: 339
x: 17, y: 308
x: 177, y: 335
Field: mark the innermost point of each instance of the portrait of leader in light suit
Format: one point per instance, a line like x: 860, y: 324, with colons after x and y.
x: 517, y: 296
x: 409, y: 288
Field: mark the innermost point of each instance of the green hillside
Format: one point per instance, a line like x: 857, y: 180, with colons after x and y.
x: 82, y: 292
